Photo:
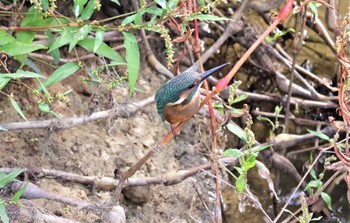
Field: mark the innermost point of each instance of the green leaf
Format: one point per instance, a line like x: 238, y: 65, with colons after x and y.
x: 61, y: 73
x: 54, y: 53
x: 132, y: 56
x: 19, y: 193
x: 17, y: 48
x: 17, y: 108
x: 65, y: 38
x: 3, y: 215
x: 32, y: 65
x: 45, y: 4
x: 78, y: 7
x: 219, y: 106
x: 79, y: 35
x: 161, y: 3
x: 2, y: 129
x: 46, y: 109
x: 313, y: 174
x: 249, y: 162
x: 24, y: 37
x: 115, y: 63
x: 237, y: 131
x: 327, y: 199
x: 129, y: 19
x: 3, y: 82
x: 48, y: 22
x: 319, y: 135
x: 203, y: 17
x: 88, y: 10
x: 5, y: 179
x: 262, y: 148
x: 240, y: 184
x: 171, y: 4
x: 233, y: 152
x: 154, y: 10
x: 138, y: 17
x: 240, y: 98
x: 313, y: 7
x: 22, y: 74
x: 6, y: 38
x: 104, y: 50
x: 100, y: 34
x: 31, y: 16
x: 313, y: 184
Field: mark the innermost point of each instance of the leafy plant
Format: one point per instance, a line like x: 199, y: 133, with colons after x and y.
x: 4, y: 180
x: 81, y: 31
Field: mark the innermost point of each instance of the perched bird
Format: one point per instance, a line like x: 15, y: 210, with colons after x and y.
x: 178, y: 99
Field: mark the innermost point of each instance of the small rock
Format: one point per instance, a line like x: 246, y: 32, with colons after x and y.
x: 137, y: 194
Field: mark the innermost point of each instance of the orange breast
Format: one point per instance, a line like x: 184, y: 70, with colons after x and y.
x: 178, y: 113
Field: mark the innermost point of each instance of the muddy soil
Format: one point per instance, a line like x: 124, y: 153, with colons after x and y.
x: 101, y: 147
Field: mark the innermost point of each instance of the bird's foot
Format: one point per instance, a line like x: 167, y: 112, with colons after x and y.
x: 174, y: 131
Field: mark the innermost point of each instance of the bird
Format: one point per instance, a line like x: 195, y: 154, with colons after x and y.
x: 178, y: 99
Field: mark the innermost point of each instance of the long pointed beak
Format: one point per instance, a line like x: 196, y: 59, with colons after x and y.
x: 207, y: 73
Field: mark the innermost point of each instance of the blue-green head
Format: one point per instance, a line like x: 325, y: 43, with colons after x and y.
x: 181, y: 89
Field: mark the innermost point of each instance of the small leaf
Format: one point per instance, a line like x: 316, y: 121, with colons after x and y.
x: 3, y: 82
x: 240, y: 98
x: 104, y: 50
x: 132, y: 56
x: 19, y: 193
x: 313, y: 184
x: 237, y: 131
x: 22, y: 74
x: 79, y: 35
x: 129, y: 19
x: 48, y: 22
x: 5, y: 179
x: 240, y: 184
x: 46, y: 109
x: 54, y: 53
x: 31, y: 16
x: 233, y: 152
x: 161, y: 3
x: 171, y: 4
x: 116, y: 1
x: 313, y: 174
x: 17, y: 108
x: 61, y: 73
x: 32, y: 65
x: 98, y: 39
x: 138, y: 17
x: 249, y: 162
x: 2, y: 129
x: 265, y: 174
x: 203, y: 17
x: 88, y: 10
x: 154, y: 10
x: 5, y: 38
x: 17, y: 48
x: 262, y: 147
x: 3, y: 215
x: 65, y: 38
x: 319, y: 135
x: 78, y: 7
x: 327, y: 199
x: 45, y: 4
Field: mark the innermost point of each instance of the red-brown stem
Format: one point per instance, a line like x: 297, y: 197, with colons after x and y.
x: 217, y: 212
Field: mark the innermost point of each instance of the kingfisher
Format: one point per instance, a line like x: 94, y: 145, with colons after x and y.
x: 178, y: 99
